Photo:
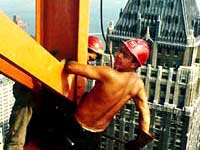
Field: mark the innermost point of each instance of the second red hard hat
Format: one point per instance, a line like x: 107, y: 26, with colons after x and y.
x: 95, y: 44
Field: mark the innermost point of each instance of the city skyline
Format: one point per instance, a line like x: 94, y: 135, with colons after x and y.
x: 26, y: 10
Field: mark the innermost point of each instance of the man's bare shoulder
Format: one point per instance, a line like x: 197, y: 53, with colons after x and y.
x: 131, y: 76
x: 136, y: 84
x: 138, y: 81
x: 104, y: 69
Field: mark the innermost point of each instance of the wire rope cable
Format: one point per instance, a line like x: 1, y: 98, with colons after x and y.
x: 102, y: 31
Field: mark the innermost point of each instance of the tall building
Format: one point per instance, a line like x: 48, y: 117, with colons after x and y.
x: 6, y: 103
x: 1, y: 139
x: 171, y: 25
x: 171, y: 77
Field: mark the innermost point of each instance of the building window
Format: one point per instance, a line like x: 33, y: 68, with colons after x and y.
x: 162, y: 100
x: 183, y: 80
x: 181, y: 35
x: 161, y: 4
x: 174, y: 64
x: 166, y: 33
x: 176, y: 19
x: 171, y: 5
x: 152, y: 91
x: 135, y: 16
x: 173, y: 34
x: 159, y: 50
x: 163, y: 88
x: 128, y: 16
x: 176, y: 52
x: 148, y: 3
x: 167, y: 52
x: 172, y: 90
x: 143, y: 72
x: 138, y: 2
x: 154, y: 74
x: 120, y: 27
x: 133, y: 29
x: 168, y: 19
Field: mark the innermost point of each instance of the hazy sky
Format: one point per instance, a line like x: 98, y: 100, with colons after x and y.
x: 198, y: 3
x: 25, y: 9
x: 111, y: 9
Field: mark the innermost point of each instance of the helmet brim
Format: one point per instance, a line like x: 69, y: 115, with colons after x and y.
x: 100, y: 52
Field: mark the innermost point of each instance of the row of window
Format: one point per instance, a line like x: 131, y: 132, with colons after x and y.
x: 169, y: 51
x: 169, y: 63
x: 153, y: 17
x: 161, y: 3
x: 165, y: 33
x: 163, y: 88
x: 173, y: 34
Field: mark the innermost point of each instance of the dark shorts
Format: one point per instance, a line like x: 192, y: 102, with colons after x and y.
x: 77, y: 138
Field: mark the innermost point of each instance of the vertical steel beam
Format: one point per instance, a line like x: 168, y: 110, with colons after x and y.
x: 62, y: 26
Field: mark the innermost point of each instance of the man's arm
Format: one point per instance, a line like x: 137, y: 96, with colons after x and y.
x: 143, y: 108
x: 144, y: 136
x: 92, y: 72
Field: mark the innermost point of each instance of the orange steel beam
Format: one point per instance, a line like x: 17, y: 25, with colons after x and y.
x: 39, y: 22
x: 16, y: 74
x: 18, y: 48
x: 62, y: 26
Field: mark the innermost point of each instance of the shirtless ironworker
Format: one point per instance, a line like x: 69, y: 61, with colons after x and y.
x: 112, y: 90
x: 48, y: 116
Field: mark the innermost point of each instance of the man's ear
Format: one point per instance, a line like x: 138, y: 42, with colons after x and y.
x: 134, y: 65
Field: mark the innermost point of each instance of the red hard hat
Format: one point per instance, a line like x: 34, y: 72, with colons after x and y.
x: 139, y: 48
x: 95, y: 44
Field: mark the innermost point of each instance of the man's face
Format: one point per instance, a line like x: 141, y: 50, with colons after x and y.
x: 124, y: 60
x: 92, y: 56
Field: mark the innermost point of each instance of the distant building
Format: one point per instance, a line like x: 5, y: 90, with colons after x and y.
x: 20, y: 23
x: 6, y: 103
x: 1, y: 139
x: 171, y: 77
x: 171, y: 25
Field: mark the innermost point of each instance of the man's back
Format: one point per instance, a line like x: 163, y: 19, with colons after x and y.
x: 113, y: 89
x: 106, y: 98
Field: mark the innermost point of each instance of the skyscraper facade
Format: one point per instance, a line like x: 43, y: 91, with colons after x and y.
x: 6, y: 103
x: 171, y: 76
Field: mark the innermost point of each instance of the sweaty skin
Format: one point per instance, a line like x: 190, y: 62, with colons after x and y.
x: 112, y: 90
x: 110, y: 93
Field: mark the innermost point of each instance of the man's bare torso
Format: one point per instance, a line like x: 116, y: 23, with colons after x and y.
x: 97, y: 109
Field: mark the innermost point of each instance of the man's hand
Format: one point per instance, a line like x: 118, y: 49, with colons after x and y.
x: 139, y: 142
